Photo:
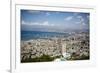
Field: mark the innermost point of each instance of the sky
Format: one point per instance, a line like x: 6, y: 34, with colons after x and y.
x: 53, y: 20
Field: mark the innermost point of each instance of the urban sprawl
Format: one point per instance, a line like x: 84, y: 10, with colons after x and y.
x: 73, y: 47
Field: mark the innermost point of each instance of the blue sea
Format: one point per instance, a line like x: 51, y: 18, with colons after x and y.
x: 28, y: 35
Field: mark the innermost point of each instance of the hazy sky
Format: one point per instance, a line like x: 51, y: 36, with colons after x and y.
x: 51, y: 20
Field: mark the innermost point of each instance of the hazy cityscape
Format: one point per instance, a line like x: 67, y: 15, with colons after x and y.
x: 54, y: 36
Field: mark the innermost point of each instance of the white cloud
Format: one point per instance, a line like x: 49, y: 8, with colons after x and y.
x: 29, y: 23
x: 23, y: 22
x: 83, y: 24
x: 77, y: 22
x: 79, y: 17
x: 47, y: 13
x: 88, y: 16
x: 68, y: 18
x: 80, y: 21
x: 51, y: 24
x: 34, y: 23
x: 45, y: 23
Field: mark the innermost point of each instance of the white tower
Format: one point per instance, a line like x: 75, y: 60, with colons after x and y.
x: 63, y: 49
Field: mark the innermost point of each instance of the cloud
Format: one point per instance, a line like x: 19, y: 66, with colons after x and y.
x: 23, y: 22
x: 84, y: 24
x: 52, y: 24
x: 28, y: 23
x: 88, y: 16
x: 81, y: 20
x: 79, y: 17
x: 47, y: 14
x: 68, y: 18
x: 45, y: 23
